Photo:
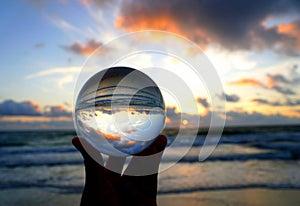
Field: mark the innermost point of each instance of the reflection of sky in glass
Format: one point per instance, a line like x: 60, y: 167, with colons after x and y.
x: 121, y: 127
x: 120, y: 108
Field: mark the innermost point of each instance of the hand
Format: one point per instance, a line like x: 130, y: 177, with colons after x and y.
x: 105, y: 187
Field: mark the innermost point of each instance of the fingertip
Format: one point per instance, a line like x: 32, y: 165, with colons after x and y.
x: 75, y: 141
x: 162, y: 142
x: 78, y: 143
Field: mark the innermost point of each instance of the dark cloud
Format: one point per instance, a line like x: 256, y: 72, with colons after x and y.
x: 277, y: 82
x: 278, y: 78
x: 233, y: 24
x: 83, y: 49
x: 231, y: 97
x: 203, y: 102
x: 99, y: 3
x: 282, y: 90
x: 171, y: 112
x: 264, y: 101
x: 287, y: 102
x: 10, y: 107
x: 56, y: 111
x: 30, y: 108
x: 233, y: 118
x: 256, y: 118
x: 292, y: 102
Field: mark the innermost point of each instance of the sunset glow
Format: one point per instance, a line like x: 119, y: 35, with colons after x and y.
x: 256, y: 58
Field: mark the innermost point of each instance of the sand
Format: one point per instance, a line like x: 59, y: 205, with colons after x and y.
x: 243, y: 197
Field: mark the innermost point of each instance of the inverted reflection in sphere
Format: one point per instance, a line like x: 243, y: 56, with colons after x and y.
x: 120, y: 111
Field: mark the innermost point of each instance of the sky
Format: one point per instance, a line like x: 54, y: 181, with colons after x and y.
x: 253, y: 45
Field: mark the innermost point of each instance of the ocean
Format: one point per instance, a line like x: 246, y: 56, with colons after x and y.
x: 246, y: 157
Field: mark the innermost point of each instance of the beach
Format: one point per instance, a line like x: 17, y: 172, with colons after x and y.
x: 250, y: 166
x: 240, y: 197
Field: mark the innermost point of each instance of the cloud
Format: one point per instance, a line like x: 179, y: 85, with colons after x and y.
x: 291, y: 30
x: 35, y: 123
x: 231, y: 97
x: 256, y: 118
x: 287, y: 102
x: 203, y: 102
x: 61, y: 75
x: 30, y: 108
x: 10, y: 107
x: 53, y: 71
x: 97, y: 3
x: 57, y: 111
x: 30, y: 115
x: 283, y: 90
x: 233, y: 118
x: 81, y: 49
x: 247, y: 81
x: 275, y: 79
x: 62, y: 23
x: 276, y: 82
x: 236, y: 25
x: 171, y: 112
x: 264, y: 101
x: 176, y: 119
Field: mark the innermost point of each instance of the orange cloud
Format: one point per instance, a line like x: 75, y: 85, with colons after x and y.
x: 271, y: 82
x: 56, y: 111
x: 292, y: 30
x: 163, y: 22
x: 83, y: 49
x: 201, y: 22
x: 159, y: 22
x: 34, y: 119
x: 247, y: 81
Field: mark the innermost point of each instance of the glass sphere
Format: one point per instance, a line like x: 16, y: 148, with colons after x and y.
x: 120, y: 111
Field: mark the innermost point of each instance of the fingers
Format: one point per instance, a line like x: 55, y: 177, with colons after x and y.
x: 143, y: 163
x: 139, y: 181
x: 147, y: 161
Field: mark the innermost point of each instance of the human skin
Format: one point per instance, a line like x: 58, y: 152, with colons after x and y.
x: 106, y: 187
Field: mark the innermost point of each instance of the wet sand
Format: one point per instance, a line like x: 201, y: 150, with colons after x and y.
x: 243, y: 197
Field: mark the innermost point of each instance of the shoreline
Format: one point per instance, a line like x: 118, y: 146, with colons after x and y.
x: 236, y: 197
x: 245, y: 197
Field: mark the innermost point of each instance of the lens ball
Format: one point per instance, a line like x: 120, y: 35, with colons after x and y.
x: 120, y: 111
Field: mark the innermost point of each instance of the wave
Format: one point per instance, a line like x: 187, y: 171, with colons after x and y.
x: 41, y: 150
x: 231, y: 187
x: 52, y: 162
x: 77, y: 189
